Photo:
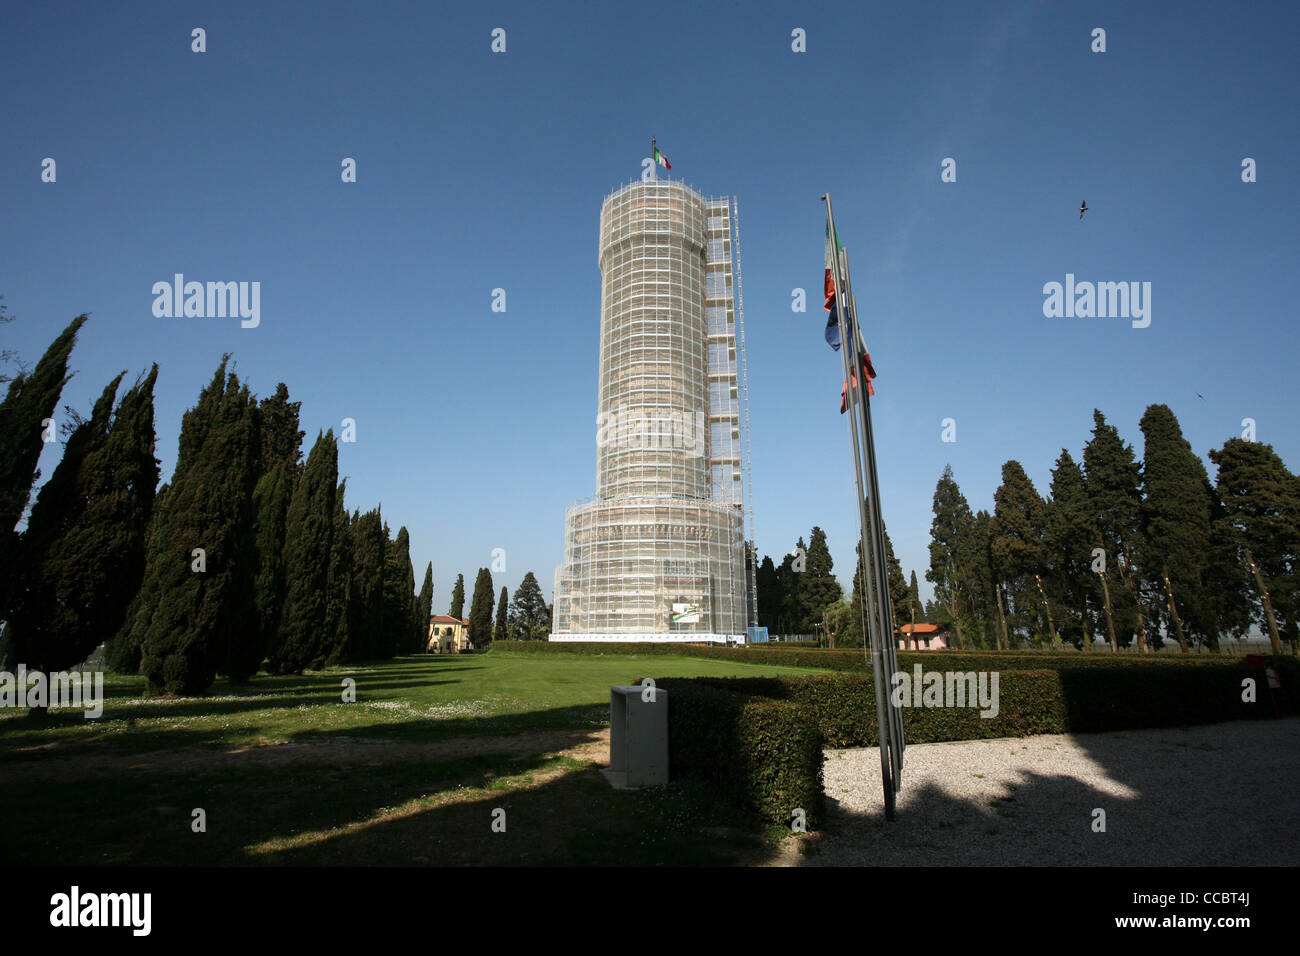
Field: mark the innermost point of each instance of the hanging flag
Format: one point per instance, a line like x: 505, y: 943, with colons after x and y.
x: 868, y: 373
x: 661, y: 159
x: 833, y: 320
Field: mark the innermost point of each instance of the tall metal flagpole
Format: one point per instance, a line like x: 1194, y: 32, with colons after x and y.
x: 875, y: 571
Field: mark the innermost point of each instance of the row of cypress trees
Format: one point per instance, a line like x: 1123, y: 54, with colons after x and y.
x: 253, y: 556
x: 1137, y: 552
x: 246, y: 556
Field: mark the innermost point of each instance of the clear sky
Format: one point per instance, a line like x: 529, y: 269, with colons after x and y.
x: 479, y: 170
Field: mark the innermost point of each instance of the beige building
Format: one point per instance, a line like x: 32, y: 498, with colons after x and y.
x: 448, y: 635
x: 925, y: 637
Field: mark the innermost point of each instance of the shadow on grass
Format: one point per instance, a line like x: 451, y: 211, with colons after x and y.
x: 33, y: 740
x: 573, y: 819
x: 145, y: 818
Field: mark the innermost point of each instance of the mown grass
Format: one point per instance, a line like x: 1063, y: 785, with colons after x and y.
x: 414, y: 698
x: 122, y: 789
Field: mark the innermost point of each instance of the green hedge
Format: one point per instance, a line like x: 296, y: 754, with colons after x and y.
x: 1086, y: 699
x: 853, y: 659
x: 760, y: 754
x: 758, y: 741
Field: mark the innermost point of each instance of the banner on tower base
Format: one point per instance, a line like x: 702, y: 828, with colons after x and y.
x: 686, y: 614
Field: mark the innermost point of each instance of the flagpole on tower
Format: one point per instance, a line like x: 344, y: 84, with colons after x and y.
x: 654, y: 159
x: 878, y: 620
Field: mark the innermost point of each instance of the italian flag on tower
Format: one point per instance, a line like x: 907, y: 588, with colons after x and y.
x: 659, y: 157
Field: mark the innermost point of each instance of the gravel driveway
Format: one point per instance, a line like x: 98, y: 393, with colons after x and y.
x: 1222, y: 795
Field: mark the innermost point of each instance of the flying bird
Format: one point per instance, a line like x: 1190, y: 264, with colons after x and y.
x: 1083, y: 208
x: 1200, y: 396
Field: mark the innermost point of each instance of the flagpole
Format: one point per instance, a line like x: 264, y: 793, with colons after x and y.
x: 884, y: 607
x: 876, y: 583
x: 654, y: 162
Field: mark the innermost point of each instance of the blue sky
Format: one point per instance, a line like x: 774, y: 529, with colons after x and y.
x: 479, y: 171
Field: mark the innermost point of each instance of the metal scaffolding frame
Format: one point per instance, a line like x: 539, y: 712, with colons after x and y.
x: 659, y: 552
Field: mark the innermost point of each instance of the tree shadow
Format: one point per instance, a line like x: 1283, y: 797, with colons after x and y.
x: 1178, y: 796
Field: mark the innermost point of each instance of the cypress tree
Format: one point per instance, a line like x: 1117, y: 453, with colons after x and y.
x: 480, y: 609
x: 308, y: 537
x: 271, y: 500
x: 1071, y: 536
x: 417, y: 634
x: 1226, y: 596
x: 411, y: 636
x: 1261, y: 501
x: 897, y: 591
x: 500, y: 633
x: 951, y: 556
x: 458, y: 598
x: 529, y: 618
x: 399, y: 591
x: 769, y: 594
x: 1175, y: 516
x: 196, y: 606
x: 29, y: 402
x: 281, y: 437
x: 1112, y: 479
x: 338, y: 617
x: 122, y: 653
x: 986, y: 584
x: 818, y: 588
x: 793, y: 568
x: 1019, y: 530
x: 425, y: 611
x: 366, y: 607
x: 82, y: 555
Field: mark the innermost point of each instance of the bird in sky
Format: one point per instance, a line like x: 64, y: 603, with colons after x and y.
x: 1083, y: 208
x: 1200, y: 396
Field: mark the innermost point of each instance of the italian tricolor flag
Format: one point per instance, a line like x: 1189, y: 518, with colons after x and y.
x: 833, y: 249
x: 662, y: 160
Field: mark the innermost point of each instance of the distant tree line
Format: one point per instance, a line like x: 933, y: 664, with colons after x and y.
x: 1137, y: 552
x: 802, y: 595
x: 525, y: 618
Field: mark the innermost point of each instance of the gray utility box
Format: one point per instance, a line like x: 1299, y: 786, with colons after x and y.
x: 638, y: 737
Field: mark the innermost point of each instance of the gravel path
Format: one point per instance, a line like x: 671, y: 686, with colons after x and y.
x: 1221, y: 795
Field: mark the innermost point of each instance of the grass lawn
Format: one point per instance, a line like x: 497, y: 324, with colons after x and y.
x: 409, y: 774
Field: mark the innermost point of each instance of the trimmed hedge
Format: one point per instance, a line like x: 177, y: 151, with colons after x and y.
x: 761, y: 754
x: 1086, y: 699
x: 854, y: 659
x: 758, y: 741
